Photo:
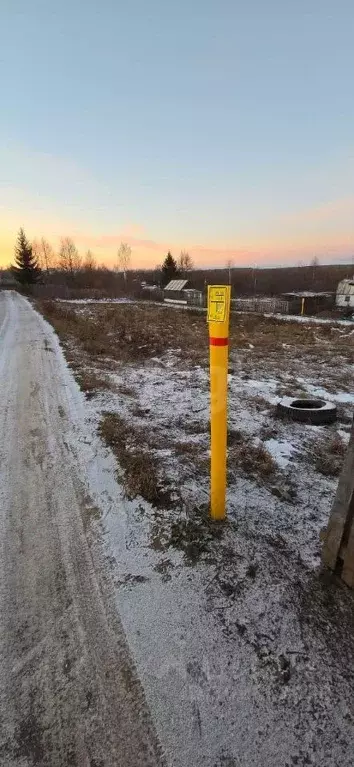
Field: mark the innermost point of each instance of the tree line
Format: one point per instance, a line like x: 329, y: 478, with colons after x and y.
x: 36, y: 260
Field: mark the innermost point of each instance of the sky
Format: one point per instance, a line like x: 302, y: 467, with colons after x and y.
x: 219, y: 127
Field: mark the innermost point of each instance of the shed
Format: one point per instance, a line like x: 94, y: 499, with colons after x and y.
x: 174, y: 292
x: 312, y: 302
x: 345, y: 294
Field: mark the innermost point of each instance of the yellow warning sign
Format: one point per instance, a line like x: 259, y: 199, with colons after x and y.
x: 217, y: 302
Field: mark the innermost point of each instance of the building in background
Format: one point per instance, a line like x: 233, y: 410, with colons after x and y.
x: 345, y: 294
x: 309, y: 302
x: 178, y: 292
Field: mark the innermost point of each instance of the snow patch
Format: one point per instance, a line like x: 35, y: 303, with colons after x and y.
x: 281, y: 450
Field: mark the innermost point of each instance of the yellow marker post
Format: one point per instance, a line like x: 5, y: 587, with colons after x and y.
x: 302, y: 306
x: 218, y: 319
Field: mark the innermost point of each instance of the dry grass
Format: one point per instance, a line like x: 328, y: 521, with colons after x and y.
x: 123, y: 334
x: 253, y: 460
x: 126, y: 391
x: 329, y: 456
x: 194, y: 534
x: 195, y: 427
x: 258, y: 402
x: 141, y: 470
x: 187, y: 449
x: 130, y: 332
x: 133, y: 332
x: 90, y: 382
x: 140, y: 412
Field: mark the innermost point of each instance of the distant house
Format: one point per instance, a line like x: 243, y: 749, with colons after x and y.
x: 178, y: 292
x: 345, y: 294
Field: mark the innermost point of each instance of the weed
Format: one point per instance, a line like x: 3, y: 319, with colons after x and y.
x: 254, y: 460
x: 194, y: 534
x: 141, y: 476
x: 163, y: 567
x: 252, y: 570
x: 126, y: 391
x: 90, y: 382
x: 140, y: 412
x: 195, y: 427
x: 259, y: 403
x: 187, y: 449
x: 234, y: 437
x: 329, y: 456
x: 141, y: 473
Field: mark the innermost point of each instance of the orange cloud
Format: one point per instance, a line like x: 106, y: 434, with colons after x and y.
x: 326, y: 230
x: 146, y: 253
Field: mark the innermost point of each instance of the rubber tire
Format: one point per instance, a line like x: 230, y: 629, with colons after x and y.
x: 316, y: 416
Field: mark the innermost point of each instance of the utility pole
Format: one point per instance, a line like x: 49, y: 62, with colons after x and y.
x: 229, y: 266
x: 254, y: 279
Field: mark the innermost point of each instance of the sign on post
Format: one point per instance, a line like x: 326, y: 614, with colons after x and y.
x: 218, y: 319
x: 217, y: 302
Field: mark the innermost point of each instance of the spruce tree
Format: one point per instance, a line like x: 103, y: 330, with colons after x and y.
x: 26, y: 269
x: 169, y: 269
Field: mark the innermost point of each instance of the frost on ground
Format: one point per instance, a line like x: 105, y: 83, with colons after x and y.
x: 245, y: 647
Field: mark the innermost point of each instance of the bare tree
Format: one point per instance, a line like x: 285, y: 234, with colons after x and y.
x: 69, y: 258
x: 44, y: 253
x: 314, y: 263
x: 124, y: 257
x: 48, y: 255
x: 185, y: 263
x: 89, y: 262
x: 36, y: 250
x: 89, y: 270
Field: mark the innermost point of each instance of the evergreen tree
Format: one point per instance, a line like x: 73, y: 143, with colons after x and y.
x: 169, y: 269
x: 26, y: 270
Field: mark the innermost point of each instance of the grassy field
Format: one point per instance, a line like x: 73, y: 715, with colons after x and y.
x: 145, y: 370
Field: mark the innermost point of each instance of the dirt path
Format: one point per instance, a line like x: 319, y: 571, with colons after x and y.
x: 69, y: 692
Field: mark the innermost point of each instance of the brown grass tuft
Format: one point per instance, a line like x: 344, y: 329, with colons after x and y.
x: 90, y: 382
x: 187, y: 449
x: 329, y: 456
x: 253, y: 460
x: 194, y: 534
x: 141, y: 475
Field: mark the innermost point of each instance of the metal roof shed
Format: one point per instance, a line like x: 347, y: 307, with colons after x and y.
x: 174, y: 292
x: 176, y: 285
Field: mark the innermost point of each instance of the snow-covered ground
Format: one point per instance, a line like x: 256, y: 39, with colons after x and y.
x: 311, y: 320
x: 244, y: 646
x: 306, y: 320
x: 84, y: 301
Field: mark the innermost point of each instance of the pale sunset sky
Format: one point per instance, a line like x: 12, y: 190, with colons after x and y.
x: 222, y: 127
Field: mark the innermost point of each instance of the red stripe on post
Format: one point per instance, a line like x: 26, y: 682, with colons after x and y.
x: 218, y: 341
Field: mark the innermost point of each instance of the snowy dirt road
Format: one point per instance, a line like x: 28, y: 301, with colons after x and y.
x: 70, y: 694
